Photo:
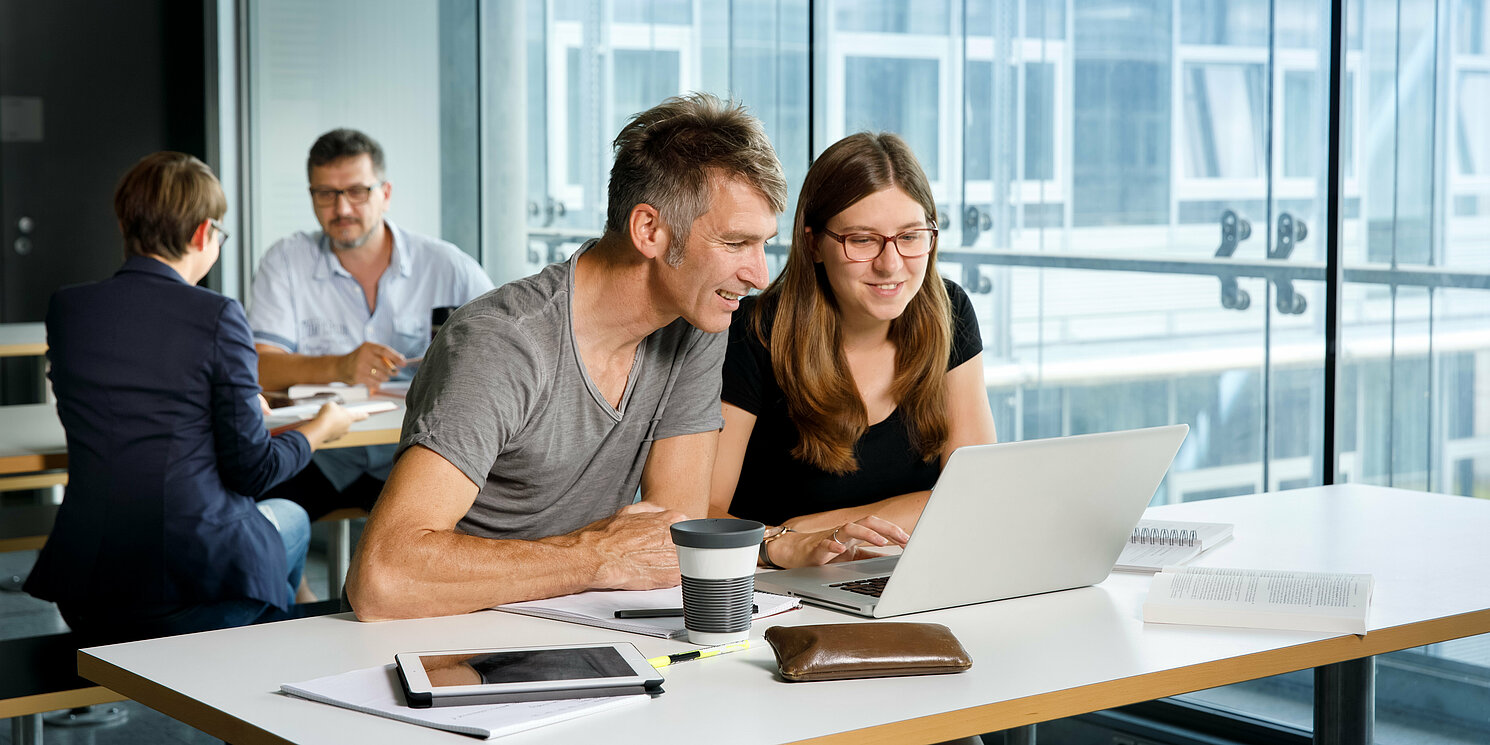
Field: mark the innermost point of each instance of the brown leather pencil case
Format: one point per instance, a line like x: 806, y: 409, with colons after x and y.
x: 840, y: 651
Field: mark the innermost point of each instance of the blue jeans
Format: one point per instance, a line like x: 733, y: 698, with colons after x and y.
x: 94, y: 627
x: 293, y: 525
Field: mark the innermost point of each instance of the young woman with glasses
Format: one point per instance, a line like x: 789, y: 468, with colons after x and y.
x: 854, y: 376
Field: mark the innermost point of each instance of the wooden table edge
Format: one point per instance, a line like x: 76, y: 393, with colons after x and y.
x: 90, y: 696
x: 1110, y: 694
x: 360, y: 438
x: 32, y: 462
x: 174, y: 704
x: 976, y: 720
x: 23, y: 349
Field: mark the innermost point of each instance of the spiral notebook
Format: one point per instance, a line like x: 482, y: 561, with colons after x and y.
x: 1155, y: 544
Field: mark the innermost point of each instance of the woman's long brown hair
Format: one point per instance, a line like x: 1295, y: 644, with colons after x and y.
x: 806, y: 340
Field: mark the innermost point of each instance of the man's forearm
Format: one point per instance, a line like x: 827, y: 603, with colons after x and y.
x: 280, y: 370
x: 412, y: 562
x: 445, y: 573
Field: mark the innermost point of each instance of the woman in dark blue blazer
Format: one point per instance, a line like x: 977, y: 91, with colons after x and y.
x: 157, y: 388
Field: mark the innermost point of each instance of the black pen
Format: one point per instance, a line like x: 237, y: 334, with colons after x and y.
x: 663, y: 612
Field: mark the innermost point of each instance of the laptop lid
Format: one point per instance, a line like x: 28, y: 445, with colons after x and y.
x: 1010, y: 519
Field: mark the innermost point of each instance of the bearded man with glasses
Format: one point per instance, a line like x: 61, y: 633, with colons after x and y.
x: 351, y: 303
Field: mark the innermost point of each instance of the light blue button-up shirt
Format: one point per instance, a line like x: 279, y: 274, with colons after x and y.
x: 305, y: 302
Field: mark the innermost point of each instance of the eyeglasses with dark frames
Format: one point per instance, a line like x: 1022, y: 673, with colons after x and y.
x: 862, y: 247
x: 223, y: 240
x: 354, y: 194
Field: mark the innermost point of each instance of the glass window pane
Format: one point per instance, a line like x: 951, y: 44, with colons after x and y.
x: 309, y: 72
x: 977, y: 154
x: 678, y: 12
x: 1039, y: 120
x: 1224, y: 111
x: 1301, y: 133
x: 574, y: 92
x: 1121, y: 150
x: 895, y: 95
x: 1045, y: 19
x: 1121, y: 154
x: 1348, y: 127
x: 1473, y: 130
x: 1224, y: 22
x: 1298, y: 24
x: 602, y: 61
x: 1470, y: 27
x: 892, y: 16
x: 643, y: 77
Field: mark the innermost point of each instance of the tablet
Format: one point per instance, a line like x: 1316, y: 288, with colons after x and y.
x: 461, y: 677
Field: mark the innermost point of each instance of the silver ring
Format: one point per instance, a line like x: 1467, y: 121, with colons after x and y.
x: 834, y: 537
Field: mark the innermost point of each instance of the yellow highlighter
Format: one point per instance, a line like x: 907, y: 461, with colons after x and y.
x: 696, y: 654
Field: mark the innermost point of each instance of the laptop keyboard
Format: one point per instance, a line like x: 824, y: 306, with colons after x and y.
x: 871, y: 587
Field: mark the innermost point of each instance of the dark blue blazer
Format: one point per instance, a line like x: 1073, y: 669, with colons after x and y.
x: 157, y: 386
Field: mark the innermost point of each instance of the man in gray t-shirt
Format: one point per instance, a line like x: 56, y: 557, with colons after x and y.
x: 543, y: 406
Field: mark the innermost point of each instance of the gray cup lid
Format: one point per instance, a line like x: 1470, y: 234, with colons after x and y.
x: 718, y: 532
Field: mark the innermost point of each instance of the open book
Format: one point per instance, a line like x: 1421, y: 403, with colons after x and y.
x: 375, y: 690
x: 1260, y: 599
x: 1156, y: 544
x: 598, y: 608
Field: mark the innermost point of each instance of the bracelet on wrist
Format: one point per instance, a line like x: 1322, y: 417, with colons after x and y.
x: 765, y: 553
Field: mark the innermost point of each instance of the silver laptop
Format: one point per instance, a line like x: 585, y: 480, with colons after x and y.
x: 1005, y: 520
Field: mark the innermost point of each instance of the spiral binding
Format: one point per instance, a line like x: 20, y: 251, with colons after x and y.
x: 1164, y: 537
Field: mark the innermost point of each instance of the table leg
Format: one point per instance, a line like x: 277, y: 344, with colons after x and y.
x: 26, y: 729
x: 1018, y: 736
x: 338, y: 556
x: 1345, y: 702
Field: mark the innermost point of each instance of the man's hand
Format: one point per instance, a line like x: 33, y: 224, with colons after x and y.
x: 371, y: 364
x: 636, y: 548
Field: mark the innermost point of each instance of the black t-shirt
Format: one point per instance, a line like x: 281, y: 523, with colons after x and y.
x: 773, y: 485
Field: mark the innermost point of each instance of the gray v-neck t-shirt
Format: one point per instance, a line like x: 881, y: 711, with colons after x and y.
x: 503, y: 395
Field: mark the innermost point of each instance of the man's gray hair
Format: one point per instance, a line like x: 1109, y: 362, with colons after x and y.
x: 665, y: 154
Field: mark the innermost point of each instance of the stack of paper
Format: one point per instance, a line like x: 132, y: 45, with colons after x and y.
x: 345, y: 393
x: 598, y: 608
x: 376, y: 690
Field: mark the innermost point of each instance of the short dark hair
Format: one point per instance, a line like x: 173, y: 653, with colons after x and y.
x: 344, y: 143
x: 664, y: 155
x: 162, y: 200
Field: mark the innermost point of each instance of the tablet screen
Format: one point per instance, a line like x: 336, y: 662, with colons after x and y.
x: 524, y: 665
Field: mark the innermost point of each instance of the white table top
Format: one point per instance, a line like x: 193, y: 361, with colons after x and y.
x: 23, y: 339
x: 1035, y: 658
x: 32, y: 438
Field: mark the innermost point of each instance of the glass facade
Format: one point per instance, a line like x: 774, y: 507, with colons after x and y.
x: 1096, y: 164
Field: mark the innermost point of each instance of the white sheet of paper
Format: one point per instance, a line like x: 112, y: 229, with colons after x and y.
x: 376, y: 690
x: 598, y: 608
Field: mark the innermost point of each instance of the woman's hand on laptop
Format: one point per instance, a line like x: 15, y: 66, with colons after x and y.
x: 836, y: 544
